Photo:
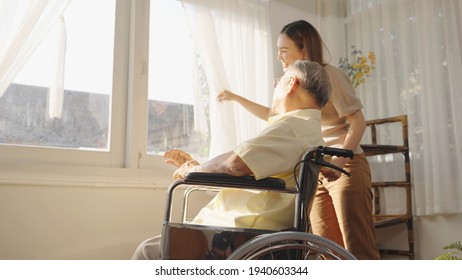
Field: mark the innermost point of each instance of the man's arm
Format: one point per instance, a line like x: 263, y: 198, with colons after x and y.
x: 229, y: 163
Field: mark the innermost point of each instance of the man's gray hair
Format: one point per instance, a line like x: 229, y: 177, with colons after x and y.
x: 314, y: 79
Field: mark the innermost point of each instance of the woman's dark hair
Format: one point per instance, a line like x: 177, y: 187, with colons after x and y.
x: 307, y: 38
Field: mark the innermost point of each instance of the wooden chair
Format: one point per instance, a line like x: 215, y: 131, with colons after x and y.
x: 379, y: 131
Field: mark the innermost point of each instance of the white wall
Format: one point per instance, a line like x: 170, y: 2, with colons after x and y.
x: 71, y: 222
x: 431, y: 234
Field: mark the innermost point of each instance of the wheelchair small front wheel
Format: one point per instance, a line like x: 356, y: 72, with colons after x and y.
x: 291, y: 245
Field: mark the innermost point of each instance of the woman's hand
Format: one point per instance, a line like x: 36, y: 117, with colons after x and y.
x: 332, y: 174
x: 256, y: 109
x: 226, y: 95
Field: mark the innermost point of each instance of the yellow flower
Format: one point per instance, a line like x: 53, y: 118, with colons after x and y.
x: 371, y: 57
x: 360, y: 68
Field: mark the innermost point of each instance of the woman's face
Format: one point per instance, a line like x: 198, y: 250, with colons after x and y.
x: 288, y: 52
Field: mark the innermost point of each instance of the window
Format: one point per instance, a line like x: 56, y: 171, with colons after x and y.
x: 79, y: 118
x: 111, y: 114
x: 175, y: 80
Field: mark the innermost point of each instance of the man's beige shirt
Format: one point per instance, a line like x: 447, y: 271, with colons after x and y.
x: 274, y: 152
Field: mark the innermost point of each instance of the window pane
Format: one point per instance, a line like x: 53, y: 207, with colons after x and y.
x: 81, y: 116
x: 177, y: 85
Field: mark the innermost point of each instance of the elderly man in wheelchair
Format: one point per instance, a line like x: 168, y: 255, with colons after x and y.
x: 265, y: 185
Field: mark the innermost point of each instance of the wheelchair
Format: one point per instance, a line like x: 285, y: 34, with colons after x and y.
x: 183, y: 240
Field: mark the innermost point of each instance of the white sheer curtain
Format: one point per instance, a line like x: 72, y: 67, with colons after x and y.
x: 56, y: 86
x: 233, y: 41
x: 23, y: 26
x: 330, y: 19
x: 418, y: 44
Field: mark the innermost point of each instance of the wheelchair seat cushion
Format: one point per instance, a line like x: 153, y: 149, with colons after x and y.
x: 248, y: 209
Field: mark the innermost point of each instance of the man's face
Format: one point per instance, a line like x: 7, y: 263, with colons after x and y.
x: 281, y: 89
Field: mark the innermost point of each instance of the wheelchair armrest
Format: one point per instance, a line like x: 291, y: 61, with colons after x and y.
x: 229, y: 180
x: 221, y: 180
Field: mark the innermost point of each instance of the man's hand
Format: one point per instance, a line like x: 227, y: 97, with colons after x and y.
x: 177, y: 157
x: 184, y: 169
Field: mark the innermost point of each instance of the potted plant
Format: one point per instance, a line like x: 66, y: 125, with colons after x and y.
x: 454, y: 252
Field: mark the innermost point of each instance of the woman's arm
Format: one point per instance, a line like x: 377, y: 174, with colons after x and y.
x: 256, y: 109
x: 355, y: 131
x: 357, y: 126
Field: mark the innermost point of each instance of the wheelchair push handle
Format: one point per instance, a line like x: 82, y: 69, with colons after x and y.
x: 336, y: 152
x: 321, y: 151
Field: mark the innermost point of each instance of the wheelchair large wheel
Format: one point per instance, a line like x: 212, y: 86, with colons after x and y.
x: 291, y: 245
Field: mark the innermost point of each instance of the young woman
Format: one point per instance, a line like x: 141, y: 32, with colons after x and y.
x: 342, y: 209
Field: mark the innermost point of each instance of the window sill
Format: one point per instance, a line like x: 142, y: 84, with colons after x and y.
x: 79, y: 176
